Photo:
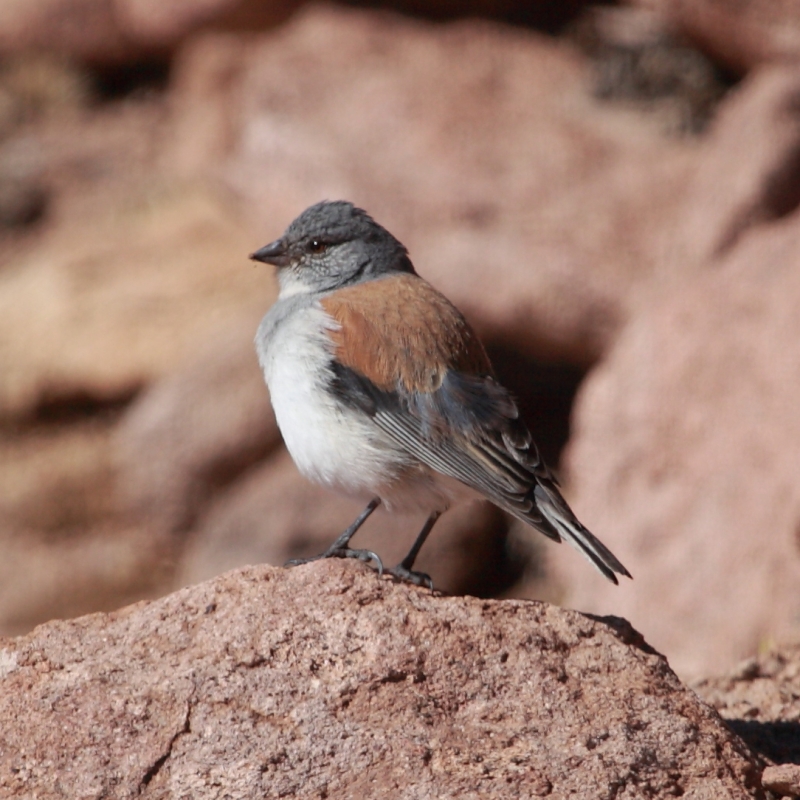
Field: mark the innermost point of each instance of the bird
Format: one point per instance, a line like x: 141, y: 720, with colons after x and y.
x: 384, y: 392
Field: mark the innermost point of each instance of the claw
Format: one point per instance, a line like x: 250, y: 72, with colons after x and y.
x: 402, y: 573
x: 369, y: 555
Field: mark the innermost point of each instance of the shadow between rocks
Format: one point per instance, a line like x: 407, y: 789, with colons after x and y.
x: 777, y: 741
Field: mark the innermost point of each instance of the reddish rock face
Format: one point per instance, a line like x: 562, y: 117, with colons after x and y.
x: 687, y: 441
x: 684, y: 461
x: 760, y: 699
x: 673, y: 248
x: 324, y: 681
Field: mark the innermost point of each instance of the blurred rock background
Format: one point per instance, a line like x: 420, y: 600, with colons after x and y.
x: 608, y: 192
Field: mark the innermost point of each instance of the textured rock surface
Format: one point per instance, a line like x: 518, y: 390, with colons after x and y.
x: 782, y: 780
x: 760, y: 699
x: 326, y: 682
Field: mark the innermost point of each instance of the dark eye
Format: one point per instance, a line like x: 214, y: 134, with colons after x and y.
x: 316, y: 246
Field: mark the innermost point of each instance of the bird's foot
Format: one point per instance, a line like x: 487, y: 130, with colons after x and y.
x: 342, y: 552
x: 402, y: 573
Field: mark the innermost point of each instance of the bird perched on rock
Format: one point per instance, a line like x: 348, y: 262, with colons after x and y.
x: 383, y: 391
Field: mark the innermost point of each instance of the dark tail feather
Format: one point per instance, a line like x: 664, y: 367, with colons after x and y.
x: 558, y: 514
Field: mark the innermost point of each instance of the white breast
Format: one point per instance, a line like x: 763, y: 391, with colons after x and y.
x: 331, y: 444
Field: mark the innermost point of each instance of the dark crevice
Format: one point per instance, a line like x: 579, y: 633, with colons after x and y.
x: 132, y: 80
x: 778, y: 741
x: 782, y: 187
x: 548, y: 16
x: 156, y: 767
x: 55, y: 408
x: 779, y: 197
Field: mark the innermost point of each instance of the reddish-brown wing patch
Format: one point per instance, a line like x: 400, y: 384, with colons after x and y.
x: 400, y: 329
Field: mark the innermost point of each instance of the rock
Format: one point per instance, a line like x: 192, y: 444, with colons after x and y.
x: 34, y: 89
x: 783, y: 781
x: 91, y: 311
x: 23, y: 199
x: 44, y: 578
x: 122, y: 318
x: 152, y: 23
x: 524, y: 199
x: 85, y: 28
x: 325, y: 681
x: 760, y: 700
x: 748, y: 171
x: 38, y: 86
x: 685, y: 452
x: 742, y: 34
x: 66, y: 547
x: 639, y: 60
x: 196, y: 431
x: 115, y: 31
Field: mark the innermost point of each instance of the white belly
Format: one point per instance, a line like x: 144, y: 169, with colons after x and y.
x: 330, y: 443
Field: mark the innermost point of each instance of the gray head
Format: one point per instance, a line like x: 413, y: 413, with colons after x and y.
x: 330, y: 245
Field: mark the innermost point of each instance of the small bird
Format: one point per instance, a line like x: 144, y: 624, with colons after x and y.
x: 383, y: 391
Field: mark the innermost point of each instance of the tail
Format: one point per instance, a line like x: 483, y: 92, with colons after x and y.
x: 558, y: 515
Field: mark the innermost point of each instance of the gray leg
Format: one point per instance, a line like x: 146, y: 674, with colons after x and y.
x: 403, y: 571
x: 339, y: 548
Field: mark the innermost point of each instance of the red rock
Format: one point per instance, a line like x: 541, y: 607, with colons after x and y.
x: 97, y: 279
x: 154, y: 23
x: 740, y: 33
x: 686, y: 452
x: 114, y: 31
x: 324, y: 680
x: 87, y: 317
x: 783, y: 780
x: 760, y: 700
x: 81, y: 28
x: 196, y: 430
x: 747, y: 170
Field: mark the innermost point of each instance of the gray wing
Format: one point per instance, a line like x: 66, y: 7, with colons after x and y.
x: 469, y: 429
